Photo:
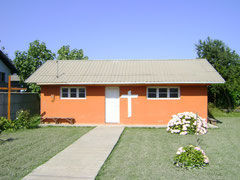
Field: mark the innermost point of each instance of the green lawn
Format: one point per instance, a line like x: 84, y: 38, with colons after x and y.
x: 24, y: 150
x: 145, y: 153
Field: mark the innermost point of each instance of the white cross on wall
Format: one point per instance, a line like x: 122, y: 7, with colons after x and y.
x: 129, y: 96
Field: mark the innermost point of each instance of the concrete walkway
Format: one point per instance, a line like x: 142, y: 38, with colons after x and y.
x: 81, y: 160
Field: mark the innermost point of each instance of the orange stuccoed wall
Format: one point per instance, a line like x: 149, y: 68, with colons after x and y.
x: 144, y: 111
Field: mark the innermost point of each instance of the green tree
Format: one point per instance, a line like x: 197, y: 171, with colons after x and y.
x: 227, y: 63
x: 3, y: 49
x: 64, y: 53
x: 27, y: 62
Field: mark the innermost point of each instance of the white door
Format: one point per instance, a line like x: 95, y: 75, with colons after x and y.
x: 112, y: 104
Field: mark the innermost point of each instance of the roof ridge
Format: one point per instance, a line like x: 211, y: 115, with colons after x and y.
x: 132, y: 60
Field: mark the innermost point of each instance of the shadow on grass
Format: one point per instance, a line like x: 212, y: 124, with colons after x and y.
x: 2, y: 141
x: 211, y: 116
x: 34, y: 127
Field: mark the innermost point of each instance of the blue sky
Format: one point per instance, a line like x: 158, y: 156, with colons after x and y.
x: 120, y: 29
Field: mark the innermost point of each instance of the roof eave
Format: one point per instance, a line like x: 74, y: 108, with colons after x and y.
x: 123, y: 83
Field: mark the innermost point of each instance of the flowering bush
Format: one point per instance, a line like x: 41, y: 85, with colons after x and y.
x: 191, y: 157
x: 187, y: 123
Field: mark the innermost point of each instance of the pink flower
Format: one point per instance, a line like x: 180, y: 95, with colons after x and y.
x: 203, y: 152
x: 206, y: 160
x: 197, y: 148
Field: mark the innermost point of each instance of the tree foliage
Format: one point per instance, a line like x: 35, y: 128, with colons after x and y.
x: 27, y: 62
x: 64, y: 53
x: 227, y: 63
x: 3, y: 49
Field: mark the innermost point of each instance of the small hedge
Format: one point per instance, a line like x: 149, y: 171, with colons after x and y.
x: 5, y: 124
x: 190, y: 157
x: 187, y: 123
x: 23, y: 120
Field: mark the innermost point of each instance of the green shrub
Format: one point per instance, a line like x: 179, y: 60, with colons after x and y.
x: 190, y: 157
x: 34, y: 122
x: 23, y: 119
x: 4, y: 124
x: 215, y: 112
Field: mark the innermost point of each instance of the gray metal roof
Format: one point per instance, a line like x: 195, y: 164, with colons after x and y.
x: 8, y: 62
x: 15, y: 77
x: 194, y: 71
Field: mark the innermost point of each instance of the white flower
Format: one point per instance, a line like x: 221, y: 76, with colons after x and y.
x: 175, y: 117
x: 205, y: 124
x: 175, y: 131
x: 178, y: 152
x: 170, y: 123
x: 194, y: 116
x: 180, y: 115
x: 177, y: 123
x: 180, y: 148
x: 183, y: 133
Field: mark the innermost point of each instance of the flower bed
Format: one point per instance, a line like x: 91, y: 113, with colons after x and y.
x: 187, y: 123
x: 191, y: 157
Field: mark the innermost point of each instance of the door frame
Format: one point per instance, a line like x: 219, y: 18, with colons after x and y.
x: 106, y: 87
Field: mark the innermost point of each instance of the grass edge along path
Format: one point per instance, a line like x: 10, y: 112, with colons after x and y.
x: 24, y: 150
x: 110, y: 155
